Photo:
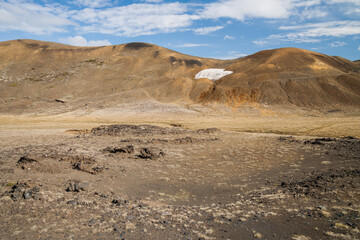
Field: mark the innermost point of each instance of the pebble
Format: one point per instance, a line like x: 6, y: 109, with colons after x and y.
x: 257, y: 235
x: 130, y: 226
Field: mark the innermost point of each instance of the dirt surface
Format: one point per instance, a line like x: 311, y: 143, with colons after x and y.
x: 151, y: 182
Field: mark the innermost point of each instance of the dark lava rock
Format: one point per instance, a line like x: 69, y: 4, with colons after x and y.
x: 317, y: 183
x: 25, y: 162
x: 287, y: 139
x: 87, y: 168
x: 72, y: 202
x: 32, y: 194
x: 60, y: 101
x: 76, y: 186
x: 347, y: 147
x: 185, y: 140
x: 23, y: 191
x: 28, y: 194
x: 128, y: 149
x: 208, y: 130
x: 193, y: 140
x: 151, y: 153
x: 319, y: 141
x: 77, y: 159
x: 120, y: 202
x: 73, y: 186
x: 123, y: 129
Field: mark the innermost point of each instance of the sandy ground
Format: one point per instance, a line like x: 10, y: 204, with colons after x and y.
x: 181, y: 181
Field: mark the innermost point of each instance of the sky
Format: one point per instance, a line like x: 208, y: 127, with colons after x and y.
x: 223, y: 29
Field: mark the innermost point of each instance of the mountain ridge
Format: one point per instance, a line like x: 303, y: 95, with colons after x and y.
x: 33, y: 74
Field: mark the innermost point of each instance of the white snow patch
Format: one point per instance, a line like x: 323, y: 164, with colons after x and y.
x: 212, y: 73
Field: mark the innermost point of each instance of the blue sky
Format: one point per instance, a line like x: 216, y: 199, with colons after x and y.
x: 222, y: 29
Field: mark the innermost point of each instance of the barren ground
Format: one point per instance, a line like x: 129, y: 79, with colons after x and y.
x: 61, y: 180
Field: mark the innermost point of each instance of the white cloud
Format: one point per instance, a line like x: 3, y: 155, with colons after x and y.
x: 240, y: 9
x: 337, y: 44
x: 308, y: 3
x: 268, y: 9
x: 92, y: 3
x: 189, y: 45
x: 136, y: 19
x: 326, y: 29
x: 312, y: 13
x: 227, y: 37
x: 315, y: 32
x: 149, y: 17
x: 152, y: 1
x: 356, y: 2
x: 349, y: 7
x: 353, y: 11
x: 359, y: 48
x: 260, y: 42
x: 207, y: 30
x: 32, y: 18
x: 82, y: 42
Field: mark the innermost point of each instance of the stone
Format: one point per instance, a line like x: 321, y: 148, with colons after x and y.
x: 151, y: 153
x: 37, y: 196
x: 73, y: 186
x: 127, y: 150
x: 72, y: 202
x: 76, y: 186
x: 28, y: 194
x: 257, y: 235
x: 16, y: 195
x: 130, y: 226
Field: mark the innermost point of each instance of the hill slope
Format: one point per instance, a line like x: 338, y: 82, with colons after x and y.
x: 51, y: 78
x: 289, y: 76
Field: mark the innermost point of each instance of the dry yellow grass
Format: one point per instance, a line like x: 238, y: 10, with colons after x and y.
x: 290, y: 125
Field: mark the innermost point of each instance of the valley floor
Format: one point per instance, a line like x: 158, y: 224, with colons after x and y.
x: 316, y: 125
x: 180, y: 178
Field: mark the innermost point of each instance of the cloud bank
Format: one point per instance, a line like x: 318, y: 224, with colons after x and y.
x: 149, y: 17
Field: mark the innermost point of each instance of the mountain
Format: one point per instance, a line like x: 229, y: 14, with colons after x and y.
x: 289, y: 76
x: 51, y: 78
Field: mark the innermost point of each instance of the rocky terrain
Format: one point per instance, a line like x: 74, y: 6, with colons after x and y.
x: 150, y: 182
x: 136, y: 141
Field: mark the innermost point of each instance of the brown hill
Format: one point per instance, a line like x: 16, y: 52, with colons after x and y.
x: 289, y: 76
x: 51, y: 78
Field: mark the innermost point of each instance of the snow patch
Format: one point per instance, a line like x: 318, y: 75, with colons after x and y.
x: 212, y: 73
